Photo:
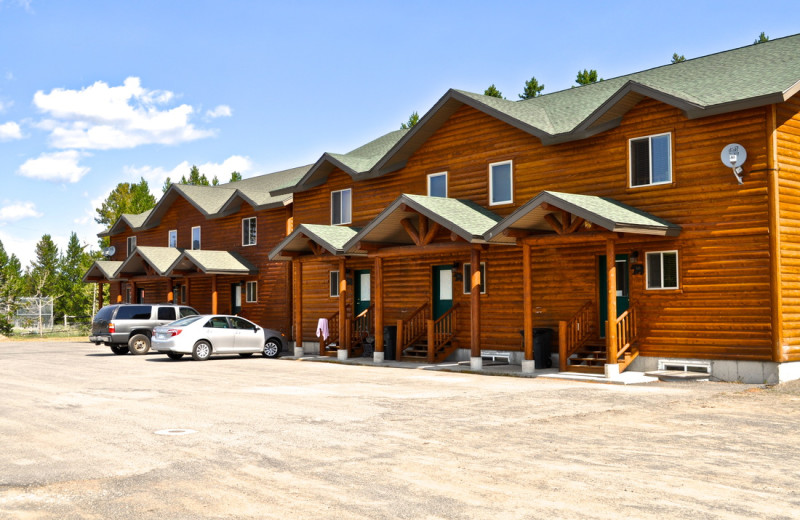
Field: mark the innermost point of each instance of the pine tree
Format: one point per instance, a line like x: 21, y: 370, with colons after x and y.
x: 532, y: 89
x: 78, y: 295
x: 11, y: 286
x: 677, y: 58
x: 235, y: 176
x: 413, y: 119
x: 587, y: 77
x: 125, y: 198
x: 492, y: 91
x: 761, y: 38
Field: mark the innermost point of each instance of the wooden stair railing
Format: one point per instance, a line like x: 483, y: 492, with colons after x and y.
x: 363, y: 326
x: 333, y: 335
x: 412, y: 328
x: 574, y: 333
x: 627, y: 334
x: 441, y: 333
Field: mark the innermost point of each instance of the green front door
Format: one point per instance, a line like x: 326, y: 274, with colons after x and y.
x: 442, y: 290
x: 361, y: 290
x: 623, y: 299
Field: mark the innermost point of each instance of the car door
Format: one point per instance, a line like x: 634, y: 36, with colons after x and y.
x: 220, y: 334
x: 249, y: 337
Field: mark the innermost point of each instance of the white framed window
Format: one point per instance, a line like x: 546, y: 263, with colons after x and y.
x: 196, y: 237
x: 662, y: 270
x: 131, y: 245
x: 334, y: 281
x: 249, y: 231
x: 172, y: 238
x: 651, y: 160
x: 468, y: 278
x: 437, y: 184
x: 501, y: 183
x: 251, y: 292
x: 341, y: 207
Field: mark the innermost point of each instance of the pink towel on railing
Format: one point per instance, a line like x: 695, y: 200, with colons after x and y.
x: 322, y: 328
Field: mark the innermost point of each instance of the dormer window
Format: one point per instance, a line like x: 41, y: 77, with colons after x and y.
x: 341, y: 212
x: 249, y: 231
x: 172, y: 238
x: 196, y: 237
x: 131, y: 245
x: 437, y: 184
x: 651, y: 160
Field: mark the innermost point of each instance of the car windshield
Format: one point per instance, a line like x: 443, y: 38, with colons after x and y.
x: 184, y: 321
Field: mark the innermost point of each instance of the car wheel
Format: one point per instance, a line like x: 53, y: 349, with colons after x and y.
x: 245, y: 354
x: 174, y: 355
x: 272, y: 348
x: 139, y: 344
x: 201, y: 350
x: 119, y: 350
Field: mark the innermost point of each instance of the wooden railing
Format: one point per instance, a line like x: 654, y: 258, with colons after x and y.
x: 333, y: 334
x: 626, y: 331
x: 441, y: 332
x: 574, y: 333
x: 363, y: 325
x: 412, y: 328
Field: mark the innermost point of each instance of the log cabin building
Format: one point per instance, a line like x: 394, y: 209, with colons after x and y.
x: 649, y: 220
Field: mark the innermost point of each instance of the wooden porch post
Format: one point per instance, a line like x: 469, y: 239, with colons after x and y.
x: 214, y: 294
x: 476, y: 362
x: 344, y: 329
x: 133, y: 292
x: 527, y: 309
x: 298, y: 307
x: 611, y: 324
x: 378, y: 356
x: 170, y: 291
x: 119, y: 292
x: 99, y: 295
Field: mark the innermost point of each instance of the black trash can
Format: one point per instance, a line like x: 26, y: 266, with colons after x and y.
x: 389, y: 342
x: 542, y: 348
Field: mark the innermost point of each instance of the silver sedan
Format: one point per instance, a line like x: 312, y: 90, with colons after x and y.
x: 206, y: 334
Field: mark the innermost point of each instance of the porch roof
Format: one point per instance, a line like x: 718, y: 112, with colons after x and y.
x: 211, y: 262
x: 462, y: 217
x: 601, y: 211
x: 158, y: 258
x: 102, y: 271
x: 331, y: 238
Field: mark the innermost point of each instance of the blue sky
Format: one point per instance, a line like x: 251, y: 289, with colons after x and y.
x: 94, y: 93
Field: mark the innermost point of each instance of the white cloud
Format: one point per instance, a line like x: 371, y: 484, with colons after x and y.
x: 23, y: 248
x: 102, y: 117
x: 155, y: 176
x: 18, y: 211
x: 220, y: 111
x: 57, y: 167
x: 10, y: 131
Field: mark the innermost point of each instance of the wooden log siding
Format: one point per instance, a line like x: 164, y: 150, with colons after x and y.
x: 723, y: 247
x: 273, y: 308
x: 788, y: 158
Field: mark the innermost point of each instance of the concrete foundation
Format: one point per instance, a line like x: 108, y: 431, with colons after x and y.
x: 611, y: 370
x: 298, y: 351
x: 341, y: 354
x: 751, y: 372
x: 476, y: 363
x: 378, y: 357
x: 528, y: 366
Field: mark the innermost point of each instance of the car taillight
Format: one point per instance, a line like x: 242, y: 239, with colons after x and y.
x: 174, y: 332
x: 112, y: 328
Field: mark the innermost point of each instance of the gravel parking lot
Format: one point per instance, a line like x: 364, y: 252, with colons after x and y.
x: 87, y: 434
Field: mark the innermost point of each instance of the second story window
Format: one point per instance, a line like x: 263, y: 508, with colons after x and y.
x: 249, y: 231
x: 651, y: 160
x: 437, y: 185
x: 172, y: 238
x: 196, y: 237
x: 131, y: 245
x: 341, y: 207
x: 501, y: 183
x: 334, y: 284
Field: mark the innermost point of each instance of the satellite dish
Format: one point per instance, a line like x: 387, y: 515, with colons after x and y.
x: 109, y: 251
x: 733, y: 156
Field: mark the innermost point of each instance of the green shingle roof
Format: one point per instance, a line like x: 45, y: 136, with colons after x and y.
x: 101, y: 270
x: 602, y: 211
x: 213, y: 262
x: 256, y: 190
x: 159, y: 258
x: 332, y: 238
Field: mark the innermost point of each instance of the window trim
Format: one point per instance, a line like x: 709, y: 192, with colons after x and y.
x: 170, y: 234
x: 199, y: 238
x: 333, y: 291
x: 650, y: 161
x: 247, y: 286
x: 341, y: 213
x: 466, y: 286
x: 254, y: 226
x: 128, y: 244
x: 446, y: 182
x: 510, y: 162
x: 661, y: 256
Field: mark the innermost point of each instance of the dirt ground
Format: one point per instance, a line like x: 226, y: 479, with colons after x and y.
x: 86, y: 434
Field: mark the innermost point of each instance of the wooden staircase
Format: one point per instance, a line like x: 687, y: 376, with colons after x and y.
x: 582, y: 350
x: 360, y: 329
x: 422, y: 339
